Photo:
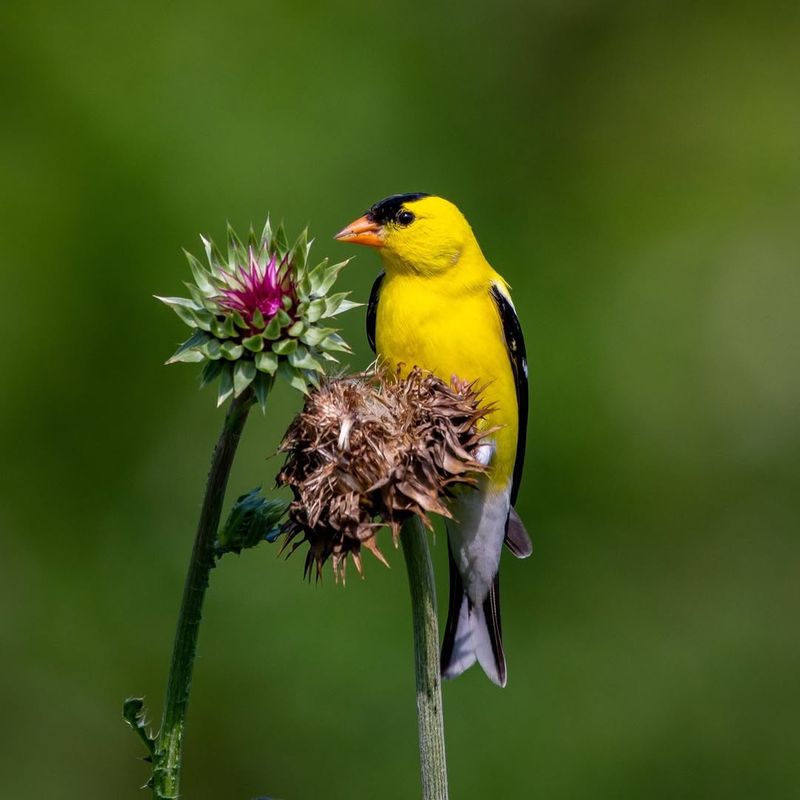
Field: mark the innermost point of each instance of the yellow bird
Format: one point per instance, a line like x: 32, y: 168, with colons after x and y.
x: 439, y: 305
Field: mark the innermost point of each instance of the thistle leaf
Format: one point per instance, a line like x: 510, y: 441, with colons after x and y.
x: 243, y: 374
x: 296, y: 329
x: 215, y: 259
x: 231, y: 351
x: 210, y: 372
x: 302, y: 359
x: 133, y: 712
x: 203, y: 319
x: 201, y: 276
x: 299, y: 251
x: 340, y: 307
x: 273, y: 329
x: 252, y: 520
x: 237, y: 252
x: 180, y: 302
x: 262, y: 384
x: 266, y: 234
x: 267, y: 361
x: 225, y: 389
x: 316, y: 308
x: 196, y: 340
x: 279, y: 241
x: 254, y: 343
x: 313, y: 336
x: 323, y: 276
x: 292, y: 377
x: 213, y: 349
x: 335, y: 342
x: 284, y: 346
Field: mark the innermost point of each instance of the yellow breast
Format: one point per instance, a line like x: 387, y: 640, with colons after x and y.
x: 452, y: 331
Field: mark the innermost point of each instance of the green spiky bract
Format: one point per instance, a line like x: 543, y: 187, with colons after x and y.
x: 244, y: 349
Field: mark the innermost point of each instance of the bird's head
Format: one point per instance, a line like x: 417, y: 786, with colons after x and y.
x: 413, y: 233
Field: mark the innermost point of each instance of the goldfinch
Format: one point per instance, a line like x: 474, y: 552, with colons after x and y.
x: 439, y: 305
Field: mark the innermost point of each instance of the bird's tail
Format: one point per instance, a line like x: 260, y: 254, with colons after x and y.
x: 473, y: 632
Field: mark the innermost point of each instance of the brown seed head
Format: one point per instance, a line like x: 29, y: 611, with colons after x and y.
x: 372, y: 449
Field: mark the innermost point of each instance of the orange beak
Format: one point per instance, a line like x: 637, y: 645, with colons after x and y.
x: 362, y: 231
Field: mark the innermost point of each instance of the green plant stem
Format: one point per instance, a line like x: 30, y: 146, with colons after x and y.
x: 169, y: 744
x: 430, y: 715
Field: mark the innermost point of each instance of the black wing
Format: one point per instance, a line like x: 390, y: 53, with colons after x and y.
x: 515, y: 345
x: 372, y: 310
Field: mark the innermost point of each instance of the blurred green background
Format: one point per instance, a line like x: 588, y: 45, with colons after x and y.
x: 632, y: 168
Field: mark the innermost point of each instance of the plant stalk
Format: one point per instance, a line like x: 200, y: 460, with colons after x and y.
x: 430, y: 715
x: 169, y: 744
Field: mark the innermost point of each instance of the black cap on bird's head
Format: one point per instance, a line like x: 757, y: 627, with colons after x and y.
x: 419, y: 233
x: 390, y: 208
x: 367, y: 229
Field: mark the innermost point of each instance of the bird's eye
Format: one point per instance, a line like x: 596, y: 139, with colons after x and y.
x: 404, y: 217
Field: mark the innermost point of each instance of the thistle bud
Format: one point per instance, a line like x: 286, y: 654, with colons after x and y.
x: 371, y: 450
x: 258, y: 312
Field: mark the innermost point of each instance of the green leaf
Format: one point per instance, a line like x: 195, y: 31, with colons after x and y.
x: 254, y: 343
x: 313, y: 336
x: 180, y: 302
x: 273, y: 329
x: 252, y: 520
x: 338, y: 304
x: 203, y: 319
x: 267, y: 361
x: 299, y: 251
x: 239, y: 321
x: 296, y: 329
x: 183, y: 307
x: 283, y: 318
x: 196, y: 294
x: 213, y: 349
x: 292, y: 377
x: 302, y: 359
x: 312, y: 377
x: 316, y: 308
x: 237, y: 252
x: 258, y: 319
x: 243, y: 374
x: 262, y: 384
x: 252, y: 239
x: 188, y: 348
x: 215, y: 259
x: 266, y: 233
x: 279, y: 241
x: 335, y: 342
x: 225, y: 329
x: 210, y: 372
x: 231, y: 350
x: 199, y: 273
x: 284, y: 346
x: 324, y: 275
x: 225, y: 389
x: 133, y: 712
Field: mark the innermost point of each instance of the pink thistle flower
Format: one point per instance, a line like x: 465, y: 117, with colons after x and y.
x: 256, y: 287
x: 260, y: 312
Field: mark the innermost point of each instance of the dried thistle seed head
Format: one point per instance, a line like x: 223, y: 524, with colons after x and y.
x: 370, y: 450
x: 260, y: 311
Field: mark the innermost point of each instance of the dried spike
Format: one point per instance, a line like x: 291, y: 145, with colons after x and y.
x: 374, y: 449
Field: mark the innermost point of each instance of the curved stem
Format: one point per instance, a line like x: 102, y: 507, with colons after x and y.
x: 169, y: 745
x: 430, y: 716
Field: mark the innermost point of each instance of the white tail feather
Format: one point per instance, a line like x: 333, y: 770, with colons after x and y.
x: 472, y: 643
